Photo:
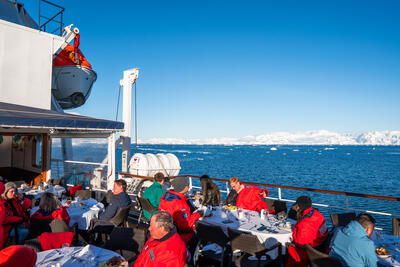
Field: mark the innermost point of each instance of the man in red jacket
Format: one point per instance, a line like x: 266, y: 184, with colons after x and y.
x: 165, y: 247
x: 309, y: 229
x: 249, y: 196
x: 175, y: 204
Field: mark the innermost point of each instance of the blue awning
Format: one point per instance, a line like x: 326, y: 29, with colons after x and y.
x: 16, y: 116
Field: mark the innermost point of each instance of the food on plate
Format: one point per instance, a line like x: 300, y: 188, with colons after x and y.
x: 68, y: 202
x: 381, y: 251
x: 114, y: 261
x: 229, y: 207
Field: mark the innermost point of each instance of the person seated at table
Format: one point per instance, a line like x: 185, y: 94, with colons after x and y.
x: 154, y: 192
x: 13, y: 256
x: 72, y: 190
x: 309, y: 229
x: 181, y: 185
x: 15, y: 217
x: 351, y: 244
x: 120, y: 200
x: 175, y: 204
x: 49, y: 209
x: 231, y: 198
x: 210, y: 192
x: 2, y: 214
x: 164, y: 247
x: 249, y: 196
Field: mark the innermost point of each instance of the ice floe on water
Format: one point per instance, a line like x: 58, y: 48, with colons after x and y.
x: 273, y: 148
x: 296, y: 150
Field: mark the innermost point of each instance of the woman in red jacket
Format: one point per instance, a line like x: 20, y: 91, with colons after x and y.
x: 2, y: 214
x: 15, y: 213
x: 309, y: 229
x: 49, y: 210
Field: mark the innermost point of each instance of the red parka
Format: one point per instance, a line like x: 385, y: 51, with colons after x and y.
x: 74, y: 189
x: 14, y: 213
x: 2, y: 214
x: 60, y: 213
x: 167, y: 251
x: 310, y: 230
x: 55, y: 240
x: 250, y: 198
x: 175, y: 204
x: 14, y: 256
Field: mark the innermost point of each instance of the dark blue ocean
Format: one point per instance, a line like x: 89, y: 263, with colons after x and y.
x: 359, y: 169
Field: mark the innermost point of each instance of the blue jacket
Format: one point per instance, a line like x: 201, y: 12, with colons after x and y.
x: 353, y: 248
x: 121, y: 200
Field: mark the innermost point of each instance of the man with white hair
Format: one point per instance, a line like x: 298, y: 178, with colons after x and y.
x: 164, y: 247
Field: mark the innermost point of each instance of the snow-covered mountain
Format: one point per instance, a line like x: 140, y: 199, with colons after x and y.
x: 321, y: 137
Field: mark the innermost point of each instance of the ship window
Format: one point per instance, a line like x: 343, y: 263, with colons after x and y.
x: 37, y: 153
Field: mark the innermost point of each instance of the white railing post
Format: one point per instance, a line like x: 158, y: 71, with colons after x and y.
x: 190, y: 183
x: 227, y: 188
x: 279, y: 193
x: 347, y: 203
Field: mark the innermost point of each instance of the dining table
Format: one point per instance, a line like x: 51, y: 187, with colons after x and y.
x: 392, y: 244
x: 80, y: 211
x: 268, y: 229
x: 37, y: 192
x: 88, y: 256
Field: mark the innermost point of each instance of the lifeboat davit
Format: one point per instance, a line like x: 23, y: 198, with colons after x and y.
x: 73, y: 77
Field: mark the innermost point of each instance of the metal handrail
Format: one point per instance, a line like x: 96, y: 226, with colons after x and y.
x: 284, y: 186
x: 52, y: 19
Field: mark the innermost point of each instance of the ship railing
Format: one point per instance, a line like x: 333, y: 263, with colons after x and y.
x: 92, y: 174
x: 280, y: 197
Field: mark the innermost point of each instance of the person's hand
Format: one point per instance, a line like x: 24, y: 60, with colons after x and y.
x: 197, y: 197
x: 201, y: 212
x: 263, y: 194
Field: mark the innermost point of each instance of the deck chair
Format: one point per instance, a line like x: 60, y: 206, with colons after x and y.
x: 251, y: 246
x: 207, y: 233
x: 59, y: 226
x: 147, y: 206
x: 121, y: 239
x: 319, y: 259
x: 342, y: 219
x: 396, y: 226
x: 83, y: 194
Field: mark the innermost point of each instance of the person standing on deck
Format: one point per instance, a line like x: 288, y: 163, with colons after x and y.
x: 154, y: 192
x: 165, y: 247
x: 249, y: 196
x: 309, y: 229
x: 351, y: 244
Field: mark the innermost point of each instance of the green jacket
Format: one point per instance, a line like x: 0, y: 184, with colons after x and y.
x: 153, y: 193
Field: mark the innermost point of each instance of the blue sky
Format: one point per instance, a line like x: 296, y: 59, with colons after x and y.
x: 237, y: 68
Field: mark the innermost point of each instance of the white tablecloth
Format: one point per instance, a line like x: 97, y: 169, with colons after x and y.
x: 392, y: 244
x: 81, y: 214
x: 36, y: 193
x: 75, y: 256
x: 250, y: 223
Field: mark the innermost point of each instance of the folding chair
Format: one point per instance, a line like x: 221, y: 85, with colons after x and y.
x: 250, y: 245
x: 342, y: 219
x: 319, y: 259
x: 207, y: 233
